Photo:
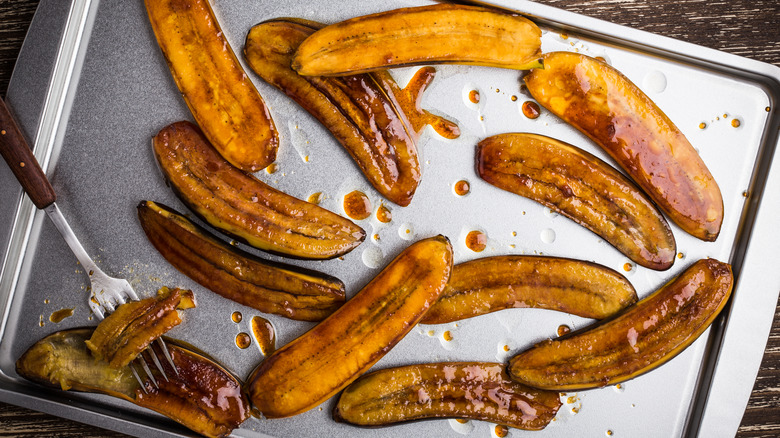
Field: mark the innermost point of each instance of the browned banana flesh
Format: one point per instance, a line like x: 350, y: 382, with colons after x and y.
x: 581, y: 187
x: 245, y: 207
x: 200, y: 395
x: 327, y: 358
x: 269, y: 287
x: 222, y: 99
x: 489, y: 284
x: 606, y: 106
x: 640, y: 339
x: 368, y: 113
x: 444, y: 33
x: 126, y: 332
x: 475, y: 390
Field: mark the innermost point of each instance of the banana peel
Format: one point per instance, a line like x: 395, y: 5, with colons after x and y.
x: 443, y: 33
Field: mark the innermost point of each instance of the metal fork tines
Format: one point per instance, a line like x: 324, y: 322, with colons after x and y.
x: 108, y: 293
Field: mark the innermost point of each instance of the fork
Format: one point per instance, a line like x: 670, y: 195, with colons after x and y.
x: 107, y: 293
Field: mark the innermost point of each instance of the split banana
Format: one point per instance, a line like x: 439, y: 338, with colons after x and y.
x: 223, y: 100
x: 245, y: 207
x: 640, y: 339
x: 327, y: 358
x: 444, y: 33
x: 606, y: 106
x: 489, y: 284
x: 475, y: 390
x: 581, y: 187
x: 236, y: 275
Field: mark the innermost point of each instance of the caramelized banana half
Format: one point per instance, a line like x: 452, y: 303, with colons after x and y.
x: 643, y: 337
x: 444, y: 33
x: 126, y: 332
x: 221, y: 97
x: 607, y: 107
x: 202, y: 395
x: 245, y: 207
x: 475, y: 390
x: 489, y: 284
x: 377, y: 122
x: 327, y: 358
x: 236, y: 275
x: 581, y: 187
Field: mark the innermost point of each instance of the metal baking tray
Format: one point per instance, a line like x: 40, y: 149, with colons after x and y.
x: 91, y: 87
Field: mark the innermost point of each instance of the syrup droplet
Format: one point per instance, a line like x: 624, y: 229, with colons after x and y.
x: 514, y: 98
x: 564, y: 36
x: 376, y: 237
x: 680, y: 255
x: 562, y: 330
x: 357, y: 205
x: 3, y: 131
x: 46, y: 301
x: 315, y: 198
x: 272, y: 168
x: 61, y: 314
x: 702, y: 125
x: 601, y: 58
x: 506, y: 347
x: 236, y: 317
x: 768, y: 109
x: 476, y: 241
x: 447, y: 336
x: 531, y: 109
x: 383, y: 214
x: 735, y: 123
x: 627, y: 266
x: 21, y: 164
x: 609, y: 432
x: 462, y: 420
x: 462, y: 188
x: 501, y: 430
x: 474, y: 96
x: 243, y: 340
x: 265, y: 335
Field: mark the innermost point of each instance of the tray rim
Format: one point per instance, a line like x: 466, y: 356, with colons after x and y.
x: 763, y: 205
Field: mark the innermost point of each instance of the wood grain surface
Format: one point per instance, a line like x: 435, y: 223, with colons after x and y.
x: 749, y: 28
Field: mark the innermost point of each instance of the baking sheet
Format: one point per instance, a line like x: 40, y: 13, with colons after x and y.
x: 102, y: 166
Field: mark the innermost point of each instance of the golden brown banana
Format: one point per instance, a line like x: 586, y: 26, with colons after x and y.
x: 582, y: 188
x: 444, y: 33
x: 606, y: 106
x: 327, y: 358
x: 640, y: 339
x: 236, y: 275
x: 221, y: 97
x: 476, y: 390
x: 489, y: 284
x: 245, y: 207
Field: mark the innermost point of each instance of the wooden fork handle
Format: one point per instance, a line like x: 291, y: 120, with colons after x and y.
x: 22, y: 162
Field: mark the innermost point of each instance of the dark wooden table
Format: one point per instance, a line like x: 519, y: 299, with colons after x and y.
x: 749, y: 28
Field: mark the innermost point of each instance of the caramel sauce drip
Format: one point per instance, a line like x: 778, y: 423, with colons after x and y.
x: 531, y: 109
x: 563, y: 329
x: 315, y: 198
x: 476, y: 241
x: 474, y: 96
x: 357, y: 205
x: 735, y: 123
x: 384, y: 215
x: 243, y: 340
x: 61, y: 314
x: 447, y: 336
x: 236, y: 317
x: 272, y: 168
x: 501, y: 430
x: 462, y: 187
x: 627, y: 267
x: 264, y: 335
x: 409, y: 101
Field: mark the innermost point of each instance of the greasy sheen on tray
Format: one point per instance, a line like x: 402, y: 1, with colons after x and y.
x: 436, y: 34
x: 223, y: 100
x: 643, y: 337
x: 245, y: 207
x: 606, y: 106
x: 327, y: 358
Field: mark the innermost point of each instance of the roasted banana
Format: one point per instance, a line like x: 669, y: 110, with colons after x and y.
x: 200, y: 394
x: 327, y: 358
x: 245, y: 207
x: 444, y: 33
x: 640, y: 339
x: 476, y: 390
x: 236, y: 275
x: 581, y: 187
x: 222, y: 99
x: 493, y: 283
x: 606, y: 106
